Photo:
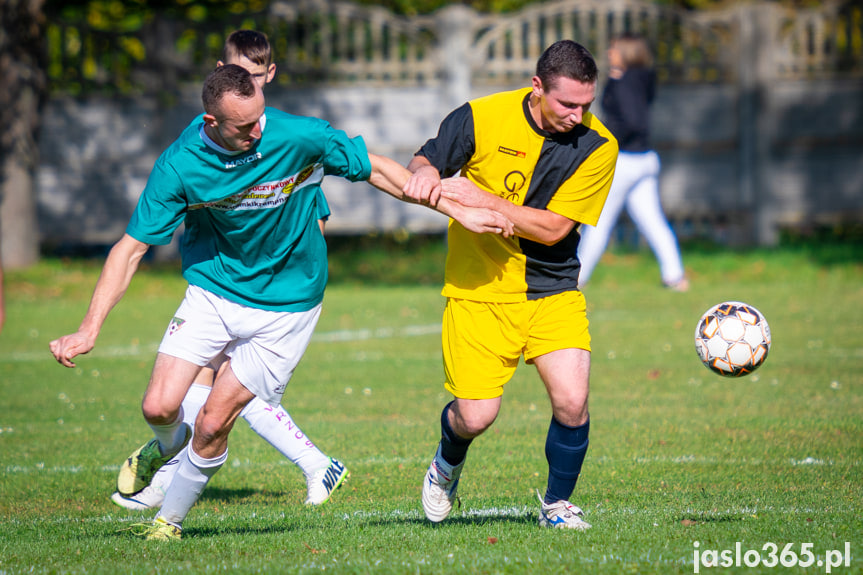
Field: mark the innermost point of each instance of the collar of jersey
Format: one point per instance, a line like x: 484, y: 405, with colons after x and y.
x: 525, y: 106
x: 211, y: 144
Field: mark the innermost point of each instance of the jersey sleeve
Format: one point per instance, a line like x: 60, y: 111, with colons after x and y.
x: 345, y: 157
x: 454, y: 144
x: 161, y: 207
x: 582, y: 196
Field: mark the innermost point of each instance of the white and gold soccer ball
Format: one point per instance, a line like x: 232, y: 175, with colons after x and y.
x: 732, y: 338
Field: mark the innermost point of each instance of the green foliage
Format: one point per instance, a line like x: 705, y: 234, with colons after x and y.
x: 411, y: 7
x: 677, y: 454
x: 114, y: 47
x: 387, y: 259
x: 98, y: 45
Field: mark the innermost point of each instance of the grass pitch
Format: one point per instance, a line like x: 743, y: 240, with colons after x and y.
x: 678, y: 455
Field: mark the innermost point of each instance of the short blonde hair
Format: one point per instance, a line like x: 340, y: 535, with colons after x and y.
x: 252, y: 44
x: 633, y: 50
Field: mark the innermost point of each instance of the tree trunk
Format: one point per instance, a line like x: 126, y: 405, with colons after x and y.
x: 22, y: 69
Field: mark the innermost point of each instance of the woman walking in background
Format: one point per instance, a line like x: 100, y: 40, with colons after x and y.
x: 626, y: 112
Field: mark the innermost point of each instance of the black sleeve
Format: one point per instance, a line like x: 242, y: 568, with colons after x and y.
x: 454, y: 144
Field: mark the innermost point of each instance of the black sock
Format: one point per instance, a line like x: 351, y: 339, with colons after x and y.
x: 452, y: 447
x: 565, y: 449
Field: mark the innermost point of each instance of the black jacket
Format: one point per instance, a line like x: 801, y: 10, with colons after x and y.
x: 626, y: 108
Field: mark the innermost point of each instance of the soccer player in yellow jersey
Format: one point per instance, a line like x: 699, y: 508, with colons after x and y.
x: 540, y: 158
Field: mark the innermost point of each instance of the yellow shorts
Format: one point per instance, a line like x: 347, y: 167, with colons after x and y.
x: 482, y: 342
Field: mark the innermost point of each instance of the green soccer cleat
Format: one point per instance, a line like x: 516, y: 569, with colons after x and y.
x: 137, y: 471
x: 157, y: 530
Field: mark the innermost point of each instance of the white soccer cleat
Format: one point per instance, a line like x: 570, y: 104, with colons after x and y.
x: 440, y: 488
x: 152, y: 496
x: 323, y: 482
x: 561, y: 515
x: 148, y: 498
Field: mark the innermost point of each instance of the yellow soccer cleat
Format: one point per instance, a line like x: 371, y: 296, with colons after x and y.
x: 137, y: 471
x: 158, y: 530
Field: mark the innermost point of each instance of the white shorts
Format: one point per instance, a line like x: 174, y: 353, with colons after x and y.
x: 264, y: 346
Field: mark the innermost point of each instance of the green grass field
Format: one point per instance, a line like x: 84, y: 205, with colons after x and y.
x: 678, y: 455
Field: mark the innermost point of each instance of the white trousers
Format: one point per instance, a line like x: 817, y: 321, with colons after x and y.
x: 635, y: 185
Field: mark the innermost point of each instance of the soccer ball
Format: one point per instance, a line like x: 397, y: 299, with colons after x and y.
x: 732, y: 338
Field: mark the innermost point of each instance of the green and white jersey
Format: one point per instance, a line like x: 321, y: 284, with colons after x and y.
x: 251, y: 231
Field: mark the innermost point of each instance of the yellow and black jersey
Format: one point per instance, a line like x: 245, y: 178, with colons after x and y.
x: 495, y: 142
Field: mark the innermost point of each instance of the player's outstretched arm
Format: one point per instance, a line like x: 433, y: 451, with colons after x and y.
x: 120, y: 266
x: 390, y: 177
x: 543, y: 226
x: 424, y: 186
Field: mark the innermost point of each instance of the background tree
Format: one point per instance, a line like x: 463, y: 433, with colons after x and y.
x: 22, y: 67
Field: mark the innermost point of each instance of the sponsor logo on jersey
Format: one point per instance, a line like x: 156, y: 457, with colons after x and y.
x: 514, y: 183
x: 244, y: 160
x: 267, y: 194
x: 301, y: 177
x: 511, y: 152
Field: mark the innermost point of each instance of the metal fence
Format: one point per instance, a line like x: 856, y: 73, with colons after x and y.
x: 759, y: 118
x: 318, y: 41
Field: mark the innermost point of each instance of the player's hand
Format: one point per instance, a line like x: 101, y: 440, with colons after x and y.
x: 485, y: 221
x: 466, y: 193
x: 424, y: 186
x: 69, y: 346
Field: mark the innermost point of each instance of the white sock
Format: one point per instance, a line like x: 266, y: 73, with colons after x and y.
x: 189, y: 482
x: 194, y: 401
x: 170, y: 436
x: 276, y: 426
x: 192, y: 404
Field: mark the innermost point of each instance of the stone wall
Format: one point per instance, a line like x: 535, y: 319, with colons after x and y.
x: 96, y: 156
x: 758, y: 121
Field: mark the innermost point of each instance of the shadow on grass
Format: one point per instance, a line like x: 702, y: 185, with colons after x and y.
x: 693, y: 519
x: 299, y: 521
x: 526, y: 519
x: 223, y: 495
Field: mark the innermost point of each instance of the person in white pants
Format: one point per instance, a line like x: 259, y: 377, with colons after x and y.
x: 625, y: 105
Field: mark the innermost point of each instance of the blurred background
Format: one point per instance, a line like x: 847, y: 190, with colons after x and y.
x: 758, y: 118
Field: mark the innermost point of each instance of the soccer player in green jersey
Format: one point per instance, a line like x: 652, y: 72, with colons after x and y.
x: 243, y: 179
x: 538, y: 156
x: 251, y: 50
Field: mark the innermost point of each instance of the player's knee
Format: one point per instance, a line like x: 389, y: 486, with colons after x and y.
x: 470, y: 425
x: 209, y: 430
x: 206, y: 434
x: 159, y: 412
x: 572, y: 414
